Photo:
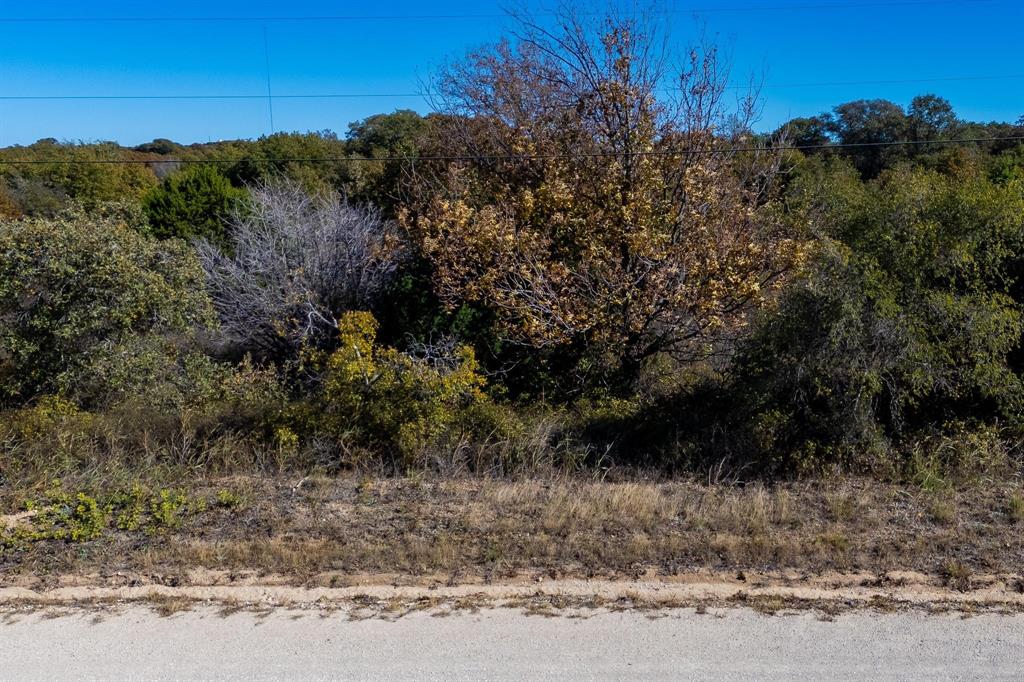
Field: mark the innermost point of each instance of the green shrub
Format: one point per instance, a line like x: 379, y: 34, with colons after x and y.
x: 907, y: 320
x: 190, y: 412
x: 60, y: 173
x: 72, y: 287
x: 172, y: 376
x: 59, y: 514
x: 228, y: 499
x: 192, y: 203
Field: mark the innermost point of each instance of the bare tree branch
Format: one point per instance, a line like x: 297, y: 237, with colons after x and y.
x: 298, y: 262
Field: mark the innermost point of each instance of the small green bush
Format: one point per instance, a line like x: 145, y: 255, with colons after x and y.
x: 60, y: 514
x: 228, y: 499
x: 193, y: 203
x: 173, y: 376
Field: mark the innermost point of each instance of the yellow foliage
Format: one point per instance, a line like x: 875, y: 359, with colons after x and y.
x: 623, y: 227
x: 391, y: 397
x: 30, y: 423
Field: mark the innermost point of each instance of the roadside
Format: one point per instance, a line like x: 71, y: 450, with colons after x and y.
x: 388, y: 598
x: 381, y: 547
x: 324, y: 531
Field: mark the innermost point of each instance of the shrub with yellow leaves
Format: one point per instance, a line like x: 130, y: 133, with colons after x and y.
x: 392, y: 398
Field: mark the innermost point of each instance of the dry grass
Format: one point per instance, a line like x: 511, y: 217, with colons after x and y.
x: 957, y: 575
x: 1016, y: 507
x: 166, y: 606
x: 487, y: 529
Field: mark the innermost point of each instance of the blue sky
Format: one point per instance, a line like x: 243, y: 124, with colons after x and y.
x: 813, y: 54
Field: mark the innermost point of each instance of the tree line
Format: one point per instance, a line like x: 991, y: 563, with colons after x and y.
x: 585, y: 258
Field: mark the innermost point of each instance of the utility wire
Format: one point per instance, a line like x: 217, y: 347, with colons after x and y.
x: 479, y: 15
x: 524, y: 157
x: 353, y: 95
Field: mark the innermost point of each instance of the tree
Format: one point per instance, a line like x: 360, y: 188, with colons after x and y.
x: 593, y: 216
x: 869, y: 126
x: 87, y: 174
x: 297, y: 262
x: 395, y: 139
x: 808, y: 132
x: 316, y: 160
x: 392, y: 134
x: 930, y: 118
x: 192, y: 203
x: 907, y: 321
x: 74, y: 286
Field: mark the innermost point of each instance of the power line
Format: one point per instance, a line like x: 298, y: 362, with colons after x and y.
x: 891, y: 81
x: 478, y: 15
x: 354, y: 95
x: 326, y: 95
x: 524, y: 157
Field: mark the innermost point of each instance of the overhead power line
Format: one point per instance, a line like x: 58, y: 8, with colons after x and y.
x: 472, y: 15
x: 355, y: 95
x: 323, y: 95
x: 524, y: 157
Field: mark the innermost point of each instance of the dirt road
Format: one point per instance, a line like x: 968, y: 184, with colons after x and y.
x: 734, y: 643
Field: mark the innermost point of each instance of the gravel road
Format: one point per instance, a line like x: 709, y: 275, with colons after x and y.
x: 136, y: 643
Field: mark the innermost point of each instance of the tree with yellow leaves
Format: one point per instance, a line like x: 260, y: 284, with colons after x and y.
x: 594, y: 199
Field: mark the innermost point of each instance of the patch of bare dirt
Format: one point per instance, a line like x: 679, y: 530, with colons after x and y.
x: 377, y: 596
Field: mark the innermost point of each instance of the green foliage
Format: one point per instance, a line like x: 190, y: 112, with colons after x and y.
x: 897, y: 350
x: 906, y: 321
x: 192, y: 204
x: 165, y: 508
x: 171, y: 376
x: 64, y: 516
x: 874, y: 133
x: 393, y: 399
x: 1009, y: 165
x: 389, y: 139
x: 316, y: 161
x: 229, y: 499
x: 72, y: 287
x: 60, y: 173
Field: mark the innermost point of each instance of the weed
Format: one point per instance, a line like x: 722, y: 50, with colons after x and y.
x: 60, y: 515
x: 841, y: 506
x: 168, y: 605
x: 228, y: 499
x: 942, y: 511
x: 365, y: 489
x: 132, y: 505
x: 64, y: 516
x: 165, y: 508
x: 1016, y: 507
x: 957, y: 575
x: 835, y: 540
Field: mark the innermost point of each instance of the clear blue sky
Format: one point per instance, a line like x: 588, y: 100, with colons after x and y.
x: 791, y: 42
